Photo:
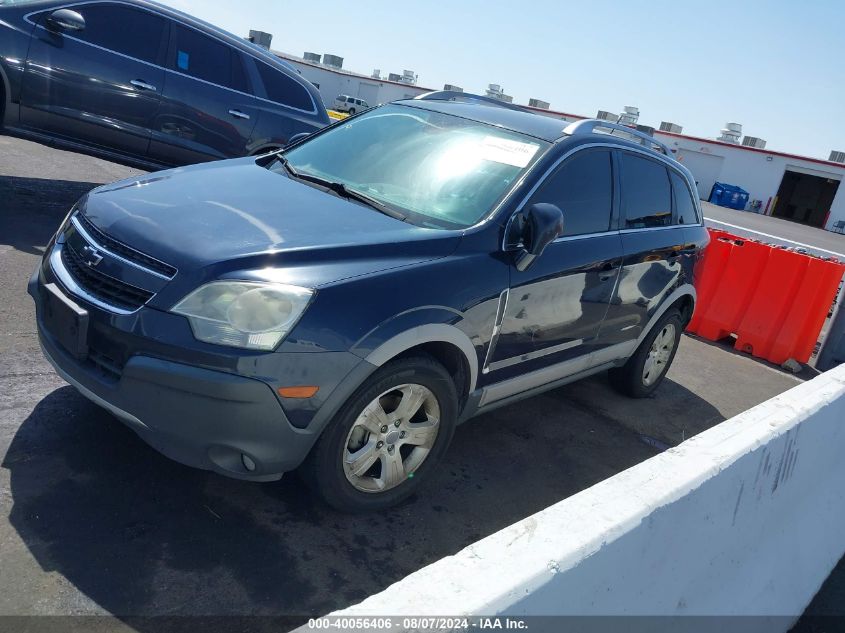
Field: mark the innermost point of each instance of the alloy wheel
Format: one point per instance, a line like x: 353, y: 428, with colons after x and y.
x: 659, y: 355
x: 391, y: 438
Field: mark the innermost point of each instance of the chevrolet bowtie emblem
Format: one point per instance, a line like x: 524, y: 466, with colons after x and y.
x: 91, y: 255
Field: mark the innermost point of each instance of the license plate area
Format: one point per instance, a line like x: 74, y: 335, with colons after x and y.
x: 66, y: 321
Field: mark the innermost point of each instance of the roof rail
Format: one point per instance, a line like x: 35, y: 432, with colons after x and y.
x: 468, y: 97
x: 588, y: 126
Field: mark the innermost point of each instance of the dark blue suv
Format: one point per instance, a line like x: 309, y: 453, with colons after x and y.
x: 134, y: 79
x: 340, y: 306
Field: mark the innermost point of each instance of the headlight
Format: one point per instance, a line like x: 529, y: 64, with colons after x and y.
x: 247, y: 314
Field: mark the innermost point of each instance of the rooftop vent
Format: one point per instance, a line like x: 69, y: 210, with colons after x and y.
x: 495, y: 91
x: 645, y: 129
x: 731, y: 133
x: 674, y: 128
x: 753, y: 141
x: 409, y: 77
x: 312, y: 57
x: 394, y: 77
x: 261, y: 38
x: 452, y: 88
x: 630, y: 115
x: 376, y: 73
x: 837, y: 157
x: 538, y: 103
x: 332, y: 60
x: 607, y: 116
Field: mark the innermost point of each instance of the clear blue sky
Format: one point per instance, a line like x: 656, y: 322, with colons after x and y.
x: 775, y: 66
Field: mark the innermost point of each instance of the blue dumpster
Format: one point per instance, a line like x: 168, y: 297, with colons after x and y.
x: 729, y: 196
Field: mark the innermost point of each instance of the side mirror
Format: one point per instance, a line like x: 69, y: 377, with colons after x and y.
x: 293, y: 140
x: 542, y: 224
x: 66, y: 20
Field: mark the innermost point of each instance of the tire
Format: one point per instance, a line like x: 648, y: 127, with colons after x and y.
x: 351, y: 111
x: 632, y: 379
x: 368, y: 435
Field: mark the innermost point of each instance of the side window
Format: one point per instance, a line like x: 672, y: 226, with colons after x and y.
x: 205, y: 58
x: 583, y: 188
x: 646, y: 195
x: 143, y: 41
x: 684, y: 202
x: 283, y: 89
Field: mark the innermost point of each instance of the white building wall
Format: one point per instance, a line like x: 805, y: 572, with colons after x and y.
x: 759, y: 173
x: 332, y: 83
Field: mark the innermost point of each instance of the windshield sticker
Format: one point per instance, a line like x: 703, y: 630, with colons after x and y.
x: 503, y: 150
x: 182, y: 60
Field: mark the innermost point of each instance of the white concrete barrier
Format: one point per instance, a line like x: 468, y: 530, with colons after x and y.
x: 747, y: 518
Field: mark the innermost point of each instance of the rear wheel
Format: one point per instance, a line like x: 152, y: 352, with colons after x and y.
x: 647, y: 368
x: 351, y: 111
x: 388, y: 438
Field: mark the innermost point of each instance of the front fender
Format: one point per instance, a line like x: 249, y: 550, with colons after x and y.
x: 426, y: 324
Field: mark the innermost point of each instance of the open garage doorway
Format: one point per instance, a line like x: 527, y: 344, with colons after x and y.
x: 805, y: 198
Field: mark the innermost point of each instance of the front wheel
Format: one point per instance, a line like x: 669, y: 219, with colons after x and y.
x: 647, y: 368
x: 387, y: 439
x: 351, y: 111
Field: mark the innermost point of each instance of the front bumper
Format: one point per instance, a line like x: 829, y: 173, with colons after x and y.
x: 199, y: 417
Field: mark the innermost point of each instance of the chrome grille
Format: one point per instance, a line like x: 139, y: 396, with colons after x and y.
x: 127, y: 252
x: 103, y: 287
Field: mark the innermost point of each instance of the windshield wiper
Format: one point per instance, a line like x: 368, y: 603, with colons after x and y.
x: 360, y: 196
x: 342, y: 190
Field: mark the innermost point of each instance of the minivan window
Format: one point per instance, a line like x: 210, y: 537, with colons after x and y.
x: 205, y: 58
x: 683, y: 200
x: 283, y: 89
x: 583, y: 189
x: 646, y: 195
x: 437, y: 169
x: 143, y: 41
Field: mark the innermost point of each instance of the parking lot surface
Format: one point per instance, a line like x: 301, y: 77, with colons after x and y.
x: 93, y: 521
x: 775, y: 230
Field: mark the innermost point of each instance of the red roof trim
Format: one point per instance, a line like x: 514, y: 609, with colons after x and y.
x: 768, y: 152
x: 569, y: 115
x: 820, y: 161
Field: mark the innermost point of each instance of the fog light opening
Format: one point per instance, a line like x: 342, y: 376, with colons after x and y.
x: 248, y: 463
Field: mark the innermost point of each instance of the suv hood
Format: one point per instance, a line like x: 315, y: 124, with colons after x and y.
x: 210, y: 214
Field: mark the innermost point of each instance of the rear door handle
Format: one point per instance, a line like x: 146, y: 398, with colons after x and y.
x: 142, y: 85
x: 238, y: 114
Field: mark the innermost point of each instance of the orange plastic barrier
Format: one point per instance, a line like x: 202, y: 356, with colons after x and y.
x: 774, y: 300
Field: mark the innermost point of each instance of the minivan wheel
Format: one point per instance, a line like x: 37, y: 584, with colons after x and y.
x: 647, y: 368
x: 387, y: 439
x: 351, y: 111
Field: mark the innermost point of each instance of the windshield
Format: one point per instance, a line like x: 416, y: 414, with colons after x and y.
x: 436, y: 169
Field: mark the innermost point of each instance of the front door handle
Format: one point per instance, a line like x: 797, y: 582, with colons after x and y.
x: 142, y: 85
x: 238, y: 114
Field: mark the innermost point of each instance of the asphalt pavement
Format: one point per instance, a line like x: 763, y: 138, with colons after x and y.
x: 94, y: 522
x: 775, y: 230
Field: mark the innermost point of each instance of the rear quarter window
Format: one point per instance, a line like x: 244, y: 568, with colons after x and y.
x: 284, y: 89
